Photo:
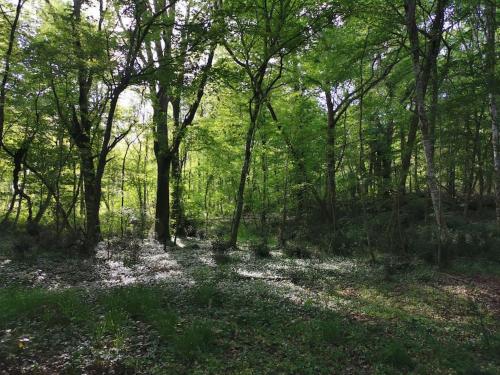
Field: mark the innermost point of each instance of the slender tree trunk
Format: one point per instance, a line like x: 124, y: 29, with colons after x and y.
x: 263, y: 216
x: 122, y: 190
x: 18, y: 158
x: 20, y: 201
x: 177, y: 195
x: 407, y: 152
x: 6, y: 65
x: 331, y: 183
x: 243, y: 176
x: 363, y: 187
x: 177, y: 207
x: 44, y: 205
x: 493, y: 96
x: 421, y: 75
x: 284, y: 215
x: 205, y: 200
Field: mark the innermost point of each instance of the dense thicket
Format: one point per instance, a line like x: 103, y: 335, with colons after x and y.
x: 351, y: 125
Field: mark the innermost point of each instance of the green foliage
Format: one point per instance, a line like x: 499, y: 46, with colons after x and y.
x: 395, y: 354
x: 343, y: 315
x: 195, y: 340
x: 50, y: 307
x: 301, y: 251
x: 207, y: 295
x: 327, y: 331
x: 260, y: 250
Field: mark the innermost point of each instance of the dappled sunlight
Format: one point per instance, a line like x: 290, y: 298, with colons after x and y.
x: 206, y: 259
x: 138, y: 296
x: 253, y: 274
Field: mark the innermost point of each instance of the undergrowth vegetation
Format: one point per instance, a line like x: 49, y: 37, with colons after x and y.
x: 334, y: 316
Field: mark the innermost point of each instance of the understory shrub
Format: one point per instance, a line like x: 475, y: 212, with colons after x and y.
x: 260, y: 250
x: 220, y: 250
x: 300, y: 251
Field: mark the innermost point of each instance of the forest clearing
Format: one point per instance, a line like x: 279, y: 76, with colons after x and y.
x: 249, y: 187
x: 182, y: 312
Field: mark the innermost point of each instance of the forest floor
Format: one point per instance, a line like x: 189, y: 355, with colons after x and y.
x: 176, y: 312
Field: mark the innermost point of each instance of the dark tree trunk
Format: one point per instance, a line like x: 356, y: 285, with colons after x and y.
x: 6, y: 65
x: 162, y: 225
x: 331, y: 183
x: 407, y: 152
x: 92, y: 198
x: 243, y: 176
x: 163, y: 163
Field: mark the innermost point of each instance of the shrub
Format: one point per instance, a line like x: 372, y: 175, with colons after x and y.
x: 132, y: 253
x: 297, y: 251
x: 260, y: 250
x: 220, y: 249
x: 128, y: 248
x: 218, y: 245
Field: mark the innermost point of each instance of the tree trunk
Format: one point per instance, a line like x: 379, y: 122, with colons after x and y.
x: 92, y: 198
x: 177, y: 195
x: 243, y: 177
x: 162, y: 225
x: 422, y: 74
x: 493, y: 93
x: 163, y: 163
x: 122, y: 190
x: 6, y: 65
x: 263, y: 216
x: 331, y: 186
x: 42, y: 209
x: 284, y: 215
x: 407, y: 152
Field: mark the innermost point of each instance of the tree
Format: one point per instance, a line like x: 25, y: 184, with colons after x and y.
x: 180, y: 49
x: 90, y: 69
x: 260, y: 34
x: 492, y: 84
x: 424, y: 64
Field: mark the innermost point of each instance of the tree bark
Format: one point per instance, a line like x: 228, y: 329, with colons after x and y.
x: 92, y: 198
x: 122, y: 189
x: 407, y: 152
x: 243, y: 176
x: 163, y: 162
x: 331, y: 184
x: 422, y: 72
x: 6, y: 68
x: 493, y: 96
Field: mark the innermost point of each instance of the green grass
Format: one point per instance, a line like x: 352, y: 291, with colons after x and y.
x: 354, y: 321
x: 48, y: 307
x: 473, y: 267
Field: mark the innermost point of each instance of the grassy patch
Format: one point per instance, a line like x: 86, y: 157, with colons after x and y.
x: 312, y: 321
x: 49, y: 307
x: 195, y: 340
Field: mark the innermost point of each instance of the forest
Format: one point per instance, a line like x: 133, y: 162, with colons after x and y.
x: 249, y: 187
